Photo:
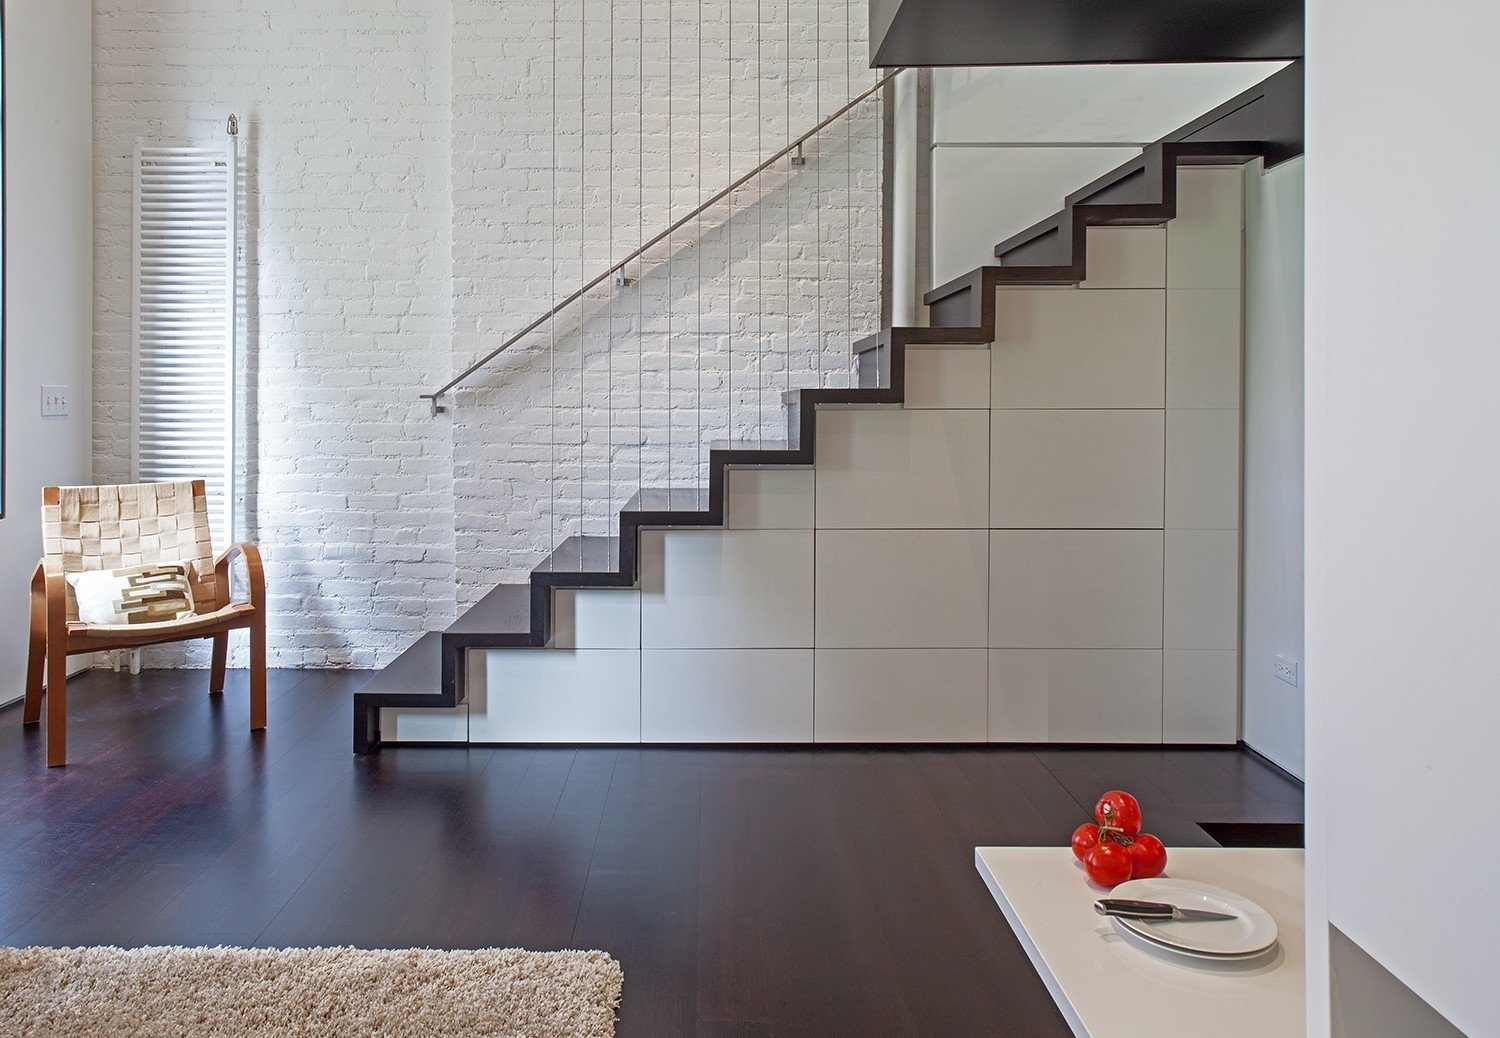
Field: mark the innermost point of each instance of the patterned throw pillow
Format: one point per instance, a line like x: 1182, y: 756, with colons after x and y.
x: 139, y: 595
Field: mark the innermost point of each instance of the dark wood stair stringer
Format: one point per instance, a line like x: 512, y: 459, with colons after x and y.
x: 1052, y: 252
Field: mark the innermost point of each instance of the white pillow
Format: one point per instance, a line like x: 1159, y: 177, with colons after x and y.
x: 138, y: 595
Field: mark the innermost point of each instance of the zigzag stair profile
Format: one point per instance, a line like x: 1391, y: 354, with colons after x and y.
x: 1053, y: 252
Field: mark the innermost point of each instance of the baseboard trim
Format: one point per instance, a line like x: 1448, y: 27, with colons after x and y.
x: 76, y: 666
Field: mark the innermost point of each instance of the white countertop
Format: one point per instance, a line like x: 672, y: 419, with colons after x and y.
x: 1106, y: 986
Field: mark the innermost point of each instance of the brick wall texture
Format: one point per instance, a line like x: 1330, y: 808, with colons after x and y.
x: 420, y: 180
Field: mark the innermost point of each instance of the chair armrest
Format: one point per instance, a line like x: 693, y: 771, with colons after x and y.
x: 254, y: 570
x: 49, y: 594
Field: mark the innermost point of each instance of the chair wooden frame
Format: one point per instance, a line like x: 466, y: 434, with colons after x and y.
x: 54, y: 638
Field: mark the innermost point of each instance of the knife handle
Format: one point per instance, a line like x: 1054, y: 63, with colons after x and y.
x: 1129, y: 909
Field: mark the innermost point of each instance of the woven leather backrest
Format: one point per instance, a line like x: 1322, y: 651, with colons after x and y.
x: 132, y: 524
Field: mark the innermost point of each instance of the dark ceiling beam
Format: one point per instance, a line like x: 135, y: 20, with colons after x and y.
x: 1071, y: 32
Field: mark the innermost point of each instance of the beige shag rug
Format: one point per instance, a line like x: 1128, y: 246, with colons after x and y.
x: 306, y: 993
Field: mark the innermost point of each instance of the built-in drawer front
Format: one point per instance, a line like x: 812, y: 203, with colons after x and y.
x: 1076, y: 468
x: 555, y: 695
x: 902, y: 588
x: 1203, y: 469
x: 1076, y: 589
x: 1205, y: 247
x: 884, y: 468
x: 596, y: 618
x: 1201, y: 696
x: 1068, y: 348
x: 769, y: 498
x: 1202, y: 589
x: 1203, y: 348
x: 1075, y: 695
x: 1126, y: 257
x: 727, y: 695
x: 947, y: 377
x: 449, y: 724
x: 901, y: 695
x: 726, y: 589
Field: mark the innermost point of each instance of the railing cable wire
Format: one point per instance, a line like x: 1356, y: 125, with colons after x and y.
x: 848, y: 198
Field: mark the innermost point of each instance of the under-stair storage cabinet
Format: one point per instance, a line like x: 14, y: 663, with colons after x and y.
x: 1114, y: 554
x: 1041, y: 544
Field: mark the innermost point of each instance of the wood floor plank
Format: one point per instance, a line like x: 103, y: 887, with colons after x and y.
x: 832, y: 967
x: 936, y: 909
x: 640, y: 901
x: 1034, y: 807
x: 731, y: 990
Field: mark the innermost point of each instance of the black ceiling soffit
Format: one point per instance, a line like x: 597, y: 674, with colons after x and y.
x: 1070, y: 32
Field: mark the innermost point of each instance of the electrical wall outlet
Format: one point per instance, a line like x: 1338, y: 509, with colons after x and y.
x: 54, y: 401
x: 1285, y: 668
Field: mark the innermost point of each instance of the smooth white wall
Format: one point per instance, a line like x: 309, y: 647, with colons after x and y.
x: 1403, y: 559
x: 48, y: 291
x: 1272, y: 612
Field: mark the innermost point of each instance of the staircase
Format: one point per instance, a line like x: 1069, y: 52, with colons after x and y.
x: 432, y: 672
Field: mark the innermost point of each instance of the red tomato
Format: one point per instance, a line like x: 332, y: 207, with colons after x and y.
x: 1107, y: 864
x: 1119, y: 809
x: 1147, y: 857
x: 1084, y: 838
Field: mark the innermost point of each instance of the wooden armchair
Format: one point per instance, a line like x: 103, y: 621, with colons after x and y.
x: 114, y: 527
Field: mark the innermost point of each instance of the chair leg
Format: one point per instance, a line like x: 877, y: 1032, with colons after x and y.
x: 220, y: 662
x: 258, y: 672
x: 36, y: 661
x: 57, y: 705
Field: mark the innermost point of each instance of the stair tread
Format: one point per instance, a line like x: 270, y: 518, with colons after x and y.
x: 583, y: 555
x: 417, y: 670
x: 668, y: 499
x: 505, y: 608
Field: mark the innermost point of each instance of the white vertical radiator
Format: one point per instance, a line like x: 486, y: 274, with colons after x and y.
x: 183, y: 320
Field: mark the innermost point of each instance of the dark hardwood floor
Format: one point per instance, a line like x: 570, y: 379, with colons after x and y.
x: 746, y: 892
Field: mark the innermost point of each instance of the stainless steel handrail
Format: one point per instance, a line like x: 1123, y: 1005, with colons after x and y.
x: 678, y: 225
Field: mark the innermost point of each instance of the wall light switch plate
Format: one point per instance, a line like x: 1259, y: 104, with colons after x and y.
x: 54, y: 401
x: 1285, y: 668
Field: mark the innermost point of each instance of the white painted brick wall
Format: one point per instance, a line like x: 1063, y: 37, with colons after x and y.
x: 399, y: 221
x: 344, y: 114
x: 667, y: 345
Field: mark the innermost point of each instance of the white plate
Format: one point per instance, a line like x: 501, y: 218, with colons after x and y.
x: 1131, y: 937
x: 1251, y: 932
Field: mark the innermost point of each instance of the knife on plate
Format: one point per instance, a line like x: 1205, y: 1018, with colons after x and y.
x: 1156, y: 910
